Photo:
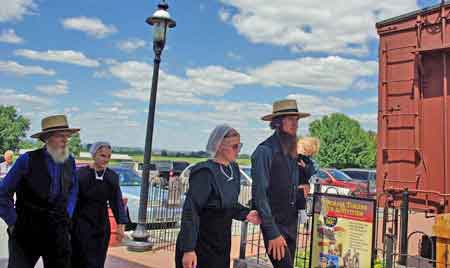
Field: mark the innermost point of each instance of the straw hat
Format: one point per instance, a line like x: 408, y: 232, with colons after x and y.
x: 284, y: 107
x: 54, y: 123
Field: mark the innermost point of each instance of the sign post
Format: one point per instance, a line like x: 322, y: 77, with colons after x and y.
x: 343, y: 232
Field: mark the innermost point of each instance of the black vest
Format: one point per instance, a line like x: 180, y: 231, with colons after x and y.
x: 34, y: 188
x: 281, y: 190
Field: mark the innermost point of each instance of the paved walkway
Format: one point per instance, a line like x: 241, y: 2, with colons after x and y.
x: 111, y: 262
x: 158, y: 259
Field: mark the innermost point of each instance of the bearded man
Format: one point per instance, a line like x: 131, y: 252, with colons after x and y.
x: 276, y: 174
x: 46, y: 189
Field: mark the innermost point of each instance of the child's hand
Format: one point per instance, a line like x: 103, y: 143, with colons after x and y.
x: 301, y: 163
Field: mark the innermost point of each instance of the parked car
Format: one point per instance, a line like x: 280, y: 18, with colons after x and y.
x: 159, y: 213
x: 168, y: 169
x: 138, y: 167
x: 337, y: 182
x: 127, y: 177
x: 366, y: 176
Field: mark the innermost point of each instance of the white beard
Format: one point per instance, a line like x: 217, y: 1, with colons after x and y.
x: 59, y: 156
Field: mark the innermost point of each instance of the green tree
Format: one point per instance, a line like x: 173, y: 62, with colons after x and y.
x: 343, y: 142
x: 30, y: 144
x: 13, y: 128
x: 75, y: 144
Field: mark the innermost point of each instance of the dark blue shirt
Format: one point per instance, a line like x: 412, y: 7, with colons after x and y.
x: 10, y: 184
x: 261, y: 165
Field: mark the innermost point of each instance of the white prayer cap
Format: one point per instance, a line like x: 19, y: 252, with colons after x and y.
x: 96, y: 146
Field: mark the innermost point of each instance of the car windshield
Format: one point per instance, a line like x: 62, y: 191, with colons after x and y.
x: 339, y: 175
x: 128, y: 177
x: 322, y: 175
x: 163, y: 164
x: 357, y: 175
x: 180, y: 165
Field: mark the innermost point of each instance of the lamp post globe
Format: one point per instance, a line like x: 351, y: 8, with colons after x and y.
x: 161, y: 21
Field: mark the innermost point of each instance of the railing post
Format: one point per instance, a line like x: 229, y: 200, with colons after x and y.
x: 243, y: 247
x: 241, y: 263
x: 404, y: 228
x: 389, y: 250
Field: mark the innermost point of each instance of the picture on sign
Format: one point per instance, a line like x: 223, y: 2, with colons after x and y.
x: 343, y: 232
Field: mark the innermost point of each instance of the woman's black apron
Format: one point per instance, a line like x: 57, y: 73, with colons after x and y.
x: 91, y: 228
x: 214, y: 237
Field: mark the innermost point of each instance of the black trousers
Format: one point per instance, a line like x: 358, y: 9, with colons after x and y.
x: 24, y: 257
x: 289, y: 232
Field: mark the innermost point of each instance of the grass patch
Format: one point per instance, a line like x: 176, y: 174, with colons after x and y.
x: 190, y: 160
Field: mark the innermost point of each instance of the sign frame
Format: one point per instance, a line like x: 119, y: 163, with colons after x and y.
x: 316, y: 197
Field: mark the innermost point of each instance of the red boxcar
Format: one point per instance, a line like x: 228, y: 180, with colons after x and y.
x: 413, y: 113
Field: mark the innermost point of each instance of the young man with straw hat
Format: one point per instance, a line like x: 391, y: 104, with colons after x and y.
x: 275, y: 174
x: 46, y: 187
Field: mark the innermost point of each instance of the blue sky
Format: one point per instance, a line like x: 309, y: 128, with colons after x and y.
x: 225, y: 62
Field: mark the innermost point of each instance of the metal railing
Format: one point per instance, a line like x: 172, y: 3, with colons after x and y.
x: 165, y: 205
x: 393, y: 238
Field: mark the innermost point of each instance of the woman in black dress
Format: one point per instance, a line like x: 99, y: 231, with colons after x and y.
x: 98, y: 188
x: 211, y: 205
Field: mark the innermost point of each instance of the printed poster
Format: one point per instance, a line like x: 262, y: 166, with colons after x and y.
x: 343, y: 232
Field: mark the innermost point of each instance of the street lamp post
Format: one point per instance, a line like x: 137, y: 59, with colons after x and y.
x: 161, y: 21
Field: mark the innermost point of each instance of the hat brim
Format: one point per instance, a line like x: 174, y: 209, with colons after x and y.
x: 270, y: 117
x: 40, y: 134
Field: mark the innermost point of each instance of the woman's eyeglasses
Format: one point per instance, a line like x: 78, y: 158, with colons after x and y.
x: 236, y: 147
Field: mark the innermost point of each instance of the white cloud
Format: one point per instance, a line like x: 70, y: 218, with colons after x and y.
x: 365, y: 84
x: 373, y: 99
x: 13, y: 10
x: 316, y: 105
x: 343, y: 26
x: 92, y: 26
x: 320, y: 105
x: 10, y: 36
x: 321, y: 74
x: 71, y: 110
x: 100, y: 74
x: 116, y: 109
x: 224, y: 15
x: 367, y: 120
x: 64, y: 56
x: 215, y: 80
x: 244, y: 116
x: 134, y: 73
x: 102, y: 125
x: 15, y: 98
x: 131, y: 45
x: 60, y: 88
x: 233, y: 55
x: 21, y: 70
x: 208, y: 81
x: 326, y: 74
